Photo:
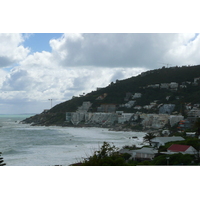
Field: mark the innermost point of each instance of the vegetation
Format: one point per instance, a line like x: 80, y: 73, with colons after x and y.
x: 149, y: 136
x: 107, y: 155
x: 1, y: 160
x: 116, y: 93
x: 174, y: 159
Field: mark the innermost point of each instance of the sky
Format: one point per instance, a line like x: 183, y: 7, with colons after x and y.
x: 39, y: 62
x: 36, y: 67
x: 60, y: 50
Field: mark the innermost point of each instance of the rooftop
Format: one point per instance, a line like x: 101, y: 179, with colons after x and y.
x: 178, y: 148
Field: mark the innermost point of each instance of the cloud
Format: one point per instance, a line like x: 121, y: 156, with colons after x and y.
x: 11, y: 50
x: 116, y: 50
x: 60, y: 84
x: 185, y: 51
x: 79, y: 63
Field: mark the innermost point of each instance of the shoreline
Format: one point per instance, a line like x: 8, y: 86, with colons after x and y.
x: 109, y: 127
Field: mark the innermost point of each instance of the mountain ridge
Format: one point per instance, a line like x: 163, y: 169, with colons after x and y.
x: 115, y: 93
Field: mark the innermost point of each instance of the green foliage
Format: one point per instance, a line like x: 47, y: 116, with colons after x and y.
x: 132, y: 147
x: 174, y: 159
x: 149, y: 136
x: 145, y: 162
x: 197, y: 127
x: 107, y: 155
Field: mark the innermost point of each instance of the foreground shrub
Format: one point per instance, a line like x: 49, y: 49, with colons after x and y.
x: 107, y: 155
x: 1, y: 161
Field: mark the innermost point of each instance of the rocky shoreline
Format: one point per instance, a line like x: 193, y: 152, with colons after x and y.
x: 48, y: 119
x: 82, y: 125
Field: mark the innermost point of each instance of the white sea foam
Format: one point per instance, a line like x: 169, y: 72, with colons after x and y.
x: 24, y: 145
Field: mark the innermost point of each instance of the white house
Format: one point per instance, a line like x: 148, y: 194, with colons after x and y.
x: 129, y: 104
x: 144, y: 153
x: 191, y: 134
x: 173, y: 85
x: 161, y: 141
x: 136, y: 95
x: 184, y: 149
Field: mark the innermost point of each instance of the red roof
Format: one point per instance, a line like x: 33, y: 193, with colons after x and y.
x: 178, y: 148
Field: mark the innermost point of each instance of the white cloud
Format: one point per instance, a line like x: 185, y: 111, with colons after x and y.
x: 11, y: 50
x: 119, y: 50
x: 185, y: 51
x: 79, y: 63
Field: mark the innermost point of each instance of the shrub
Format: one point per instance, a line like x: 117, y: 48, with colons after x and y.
x: 1, y: 161
x: 107, y: 155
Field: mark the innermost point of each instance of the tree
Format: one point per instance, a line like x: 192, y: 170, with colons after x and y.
x: 107, y: 155
x: 1, y: 161
x: 197, y: 127
x: 149, y: 136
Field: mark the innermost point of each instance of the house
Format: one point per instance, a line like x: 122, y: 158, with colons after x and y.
x: 144, y: 153
x: 129, y: 104
x: 174, y: 119
x: 195, y: 112
x: 161, y: 141
x: 166, y: 109
x: 164, y: 85
x: 138, y: 107
x: 173, y: 85
x: 154, y: 86
x: 183, y: 125
x: 183, y: 86
x: 136, y: 95
x: 154, y: 121
x: 191, y: 134
x: 196, y: 81
x: 106, y: 108
x: 165, y: 132
x: 178, y: 148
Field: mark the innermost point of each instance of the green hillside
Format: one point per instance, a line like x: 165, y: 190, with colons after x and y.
x: 116, y: 92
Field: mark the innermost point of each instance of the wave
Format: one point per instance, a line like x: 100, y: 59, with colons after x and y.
x: 11, y: 151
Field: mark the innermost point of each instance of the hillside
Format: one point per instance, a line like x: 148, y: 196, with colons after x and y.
x: 188, y: 91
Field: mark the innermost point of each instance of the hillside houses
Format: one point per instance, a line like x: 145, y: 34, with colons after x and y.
x: 154, y: 115
x: 154, y: 121
x: 174, y: 85
x: 108, y: 116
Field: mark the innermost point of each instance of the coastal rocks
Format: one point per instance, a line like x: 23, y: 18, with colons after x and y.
x: 44, y: 119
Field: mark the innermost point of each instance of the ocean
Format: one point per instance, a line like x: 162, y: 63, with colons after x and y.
x: 25, y: 145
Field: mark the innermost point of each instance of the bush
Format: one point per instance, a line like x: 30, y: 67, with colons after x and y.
x: 107, y: 155
x: 174, y: 159
x: 1, y: 161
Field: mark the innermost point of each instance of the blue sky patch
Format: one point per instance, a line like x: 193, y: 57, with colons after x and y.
x: 39, y: 42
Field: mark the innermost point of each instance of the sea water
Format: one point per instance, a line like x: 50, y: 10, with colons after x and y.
x: 26, y: 145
